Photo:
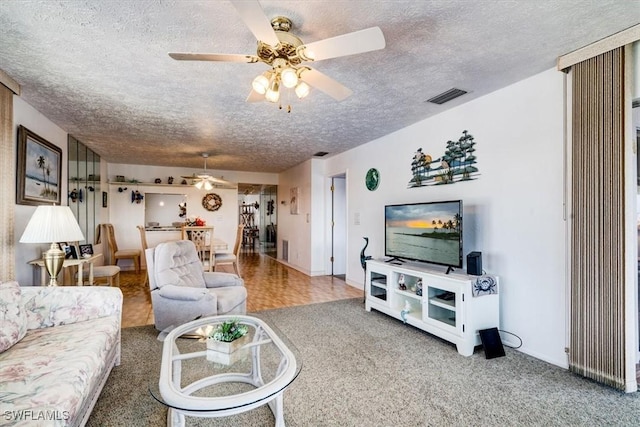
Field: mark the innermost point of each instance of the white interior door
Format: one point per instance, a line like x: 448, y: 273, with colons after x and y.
x: 339, y: 226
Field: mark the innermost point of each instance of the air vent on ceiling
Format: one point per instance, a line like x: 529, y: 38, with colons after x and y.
x: 320, y: 154
x: 447, y: 96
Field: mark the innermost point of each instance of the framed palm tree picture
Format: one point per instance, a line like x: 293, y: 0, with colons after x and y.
x: 39, y: 170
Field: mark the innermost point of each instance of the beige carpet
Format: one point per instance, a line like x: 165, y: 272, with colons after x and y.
x: 366, y: 369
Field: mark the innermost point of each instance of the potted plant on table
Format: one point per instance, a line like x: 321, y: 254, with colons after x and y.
x: 224, y: 339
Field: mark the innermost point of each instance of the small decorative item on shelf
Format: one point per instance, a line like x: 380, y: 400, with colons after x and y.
x: 122, y: 189
x: 120, y: 178
x: 419, y: 287
x: 224, y: 341
x: 196, y: 222
x: 73, y: 195
x: 184, y: 182
x: 136, y: 197
x: 170, y: 180
x: 401, y: 283
x: 158, y: 181
x: 405, y: 311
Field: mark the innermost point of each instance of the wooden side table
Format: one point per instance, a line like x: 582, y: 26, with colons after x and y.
x: 68, y: 263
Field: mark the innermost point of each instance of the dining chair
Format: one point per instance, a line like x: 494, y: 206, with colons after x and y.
x: 109, y: 272
x: 202, y: 237
x: 118, y: 254
x: 221, y: 258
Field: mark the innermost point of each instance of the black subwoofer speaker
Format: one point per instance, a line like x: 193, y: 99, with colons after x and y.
x: 492, y: 343
x: 474, y: 263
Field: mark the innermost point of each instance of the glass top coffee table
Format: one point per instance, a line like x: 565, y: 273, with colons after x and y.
x: 199, y: 382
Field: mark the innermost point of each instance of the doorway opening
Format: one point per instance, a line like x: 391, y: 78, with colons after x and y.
x: 338, y: 227
x: 257, y: 210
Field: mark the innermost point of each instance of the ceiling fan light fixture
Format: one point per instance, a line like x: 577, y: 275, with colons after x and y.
x: 289, y: 77
x: 261, y: 83
x: 273, y: 93
x: 207, y: 185
x: 302, y: 90
x: 199, y: 184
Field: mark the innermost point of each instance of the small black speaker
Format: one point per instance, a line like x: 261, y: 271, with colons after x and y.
x: 474, y: 263
x: 492, y: 343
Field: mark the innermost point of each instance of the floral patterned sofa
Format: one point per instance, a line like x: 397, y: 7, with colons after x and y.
x: 57, y: 348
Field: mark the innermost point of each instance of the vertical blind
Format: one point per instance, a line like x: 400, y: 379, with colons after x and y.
x: 597, y: 344
x: 7, y: 186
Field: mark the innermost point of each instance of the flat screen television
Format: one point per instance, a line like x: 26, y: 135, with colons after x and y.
x: 428, y: 232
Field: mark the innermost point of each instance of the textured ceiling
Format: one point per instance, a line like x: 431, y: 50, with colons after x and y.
x: 100, y: 70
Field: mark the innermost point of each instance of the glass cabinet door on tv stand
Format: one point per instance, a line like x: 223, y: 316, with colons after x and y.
x: 432, y: 300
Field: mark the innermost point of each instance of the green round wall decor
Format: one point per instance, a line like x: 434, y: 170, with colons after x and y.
x: 372, y: 180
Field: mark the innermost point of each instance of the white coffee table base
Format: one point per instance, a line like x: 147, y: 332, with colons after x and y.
x: 176, y: 417
x: 180, y: 401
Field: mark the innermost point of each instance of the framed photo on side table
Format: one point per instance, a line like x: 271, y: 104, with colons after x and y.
x: 39, y: 170
x: 69, y: 249
x: 86, y: 250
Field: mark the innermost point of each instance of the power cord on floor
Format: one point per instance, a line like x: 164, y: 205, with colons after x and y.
x: 511, y: 333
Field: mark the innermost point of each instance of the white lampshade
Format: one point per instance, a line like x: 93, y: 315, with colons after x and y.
x: 302, y: 90
x: 261, y: 84
x: 199, y: 184
x: 50, y: 224
x: 289, y: 77
x: 208, y: 186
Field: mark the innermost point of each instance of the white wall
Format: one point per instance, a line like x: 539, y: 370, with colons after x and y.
x: 125, y: 216
x: 513, y: 212
x: 295, y: 228
x: 24, y: 114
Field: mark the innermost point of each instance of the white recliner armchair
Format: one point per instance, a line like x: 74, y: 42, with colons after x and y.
x: 182, y: 291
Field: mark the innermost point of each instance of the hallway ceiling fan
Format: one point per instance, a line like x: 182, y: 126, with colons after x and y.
x: 208, y: 182
x: 286, y: 54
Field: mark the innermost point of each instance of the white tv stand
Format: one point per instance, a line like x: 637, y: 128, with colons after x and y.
x: 446, y: 307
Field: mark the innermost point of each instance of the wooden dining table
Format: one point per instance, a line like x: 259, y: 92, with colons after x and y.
x: 157, y: 235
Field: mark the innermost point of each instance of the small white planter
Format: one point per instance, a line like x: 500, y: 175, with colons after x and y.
x: 226, y: 353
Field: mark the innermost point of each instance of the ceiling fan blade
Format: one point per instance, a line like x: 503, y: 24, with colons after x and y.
x: 346, y: 44
x: 325, y: 84
x: 254, y: 97
x: 253, y: 16
x: 221, y: 182
x: 185, y: 56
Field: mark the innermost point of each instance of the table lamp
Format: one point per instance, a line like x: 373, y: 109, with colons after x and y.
x: 52, y: 224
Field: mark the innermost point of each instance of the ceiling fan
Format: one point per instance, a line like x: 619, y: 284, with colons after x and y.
x: 286, y: 54
x: 208, y: 182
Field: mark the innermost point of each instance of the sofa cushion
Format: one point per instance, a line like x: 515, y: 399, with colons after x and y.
x: 61, y: 305
x: 54, y: 369
x: 13, y: 318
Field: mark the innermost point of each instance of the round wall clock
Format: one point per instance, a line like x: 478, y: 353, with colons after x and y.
x: 372, y: 180
x: 211, y: 202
